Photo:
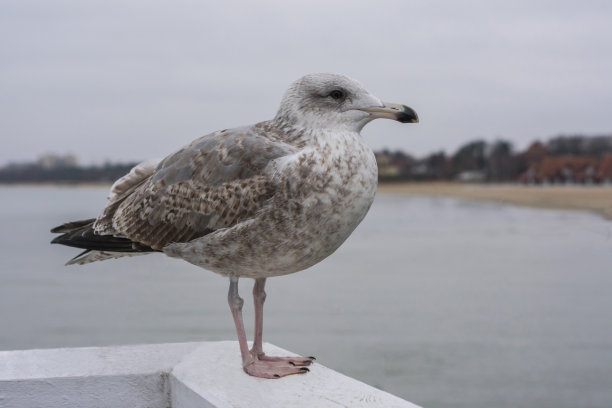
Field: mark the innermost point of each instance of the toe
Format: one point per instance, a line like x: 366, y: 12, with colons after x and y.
x: 273, y: 371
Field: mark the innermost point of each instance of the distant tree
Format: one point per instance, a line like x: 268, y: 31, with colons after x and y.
x: 580, y: 145
x: 50, y: 169
x: 403, y: 162
x: 598, y: 146
x: 437, y: 165
x: 471, y: 156
x: 501, y: 164
x: 564, y: 145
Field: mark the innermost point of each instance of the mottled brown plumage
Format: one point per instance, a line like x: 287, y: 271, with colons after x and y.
x: 213, y: 183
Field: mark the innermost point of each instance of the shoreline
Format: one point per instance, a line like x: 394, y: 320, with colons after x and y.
x: 596, y: 199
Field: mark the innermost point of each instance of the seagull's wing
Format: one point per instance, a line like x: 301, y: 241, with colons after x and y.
x: 215, y: 182
x: 120, y: 190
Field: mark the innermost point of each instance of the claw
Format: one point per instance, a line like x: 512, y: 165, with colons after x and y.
x: 312, y: 358
x: 261, y: 365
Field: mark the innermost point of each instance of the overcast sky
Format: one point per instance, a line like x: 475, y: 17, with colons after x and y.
x: 129, y: 80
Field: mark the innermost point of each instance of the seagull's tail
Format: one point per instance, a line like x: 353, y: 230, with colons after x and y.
x: 80, y: 234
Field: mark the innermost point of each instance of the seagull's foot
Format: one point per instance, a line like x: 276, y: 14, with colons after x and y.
x: 276, y: 367
x: 295, y: 361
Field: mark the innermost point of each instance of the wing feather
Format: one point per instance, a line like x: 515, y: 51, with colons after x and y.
x: 120, y: 190
x: 215, y: 182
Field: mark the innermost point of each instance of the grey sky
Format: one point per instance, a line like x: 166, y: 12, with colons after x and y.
x: 128, y: 80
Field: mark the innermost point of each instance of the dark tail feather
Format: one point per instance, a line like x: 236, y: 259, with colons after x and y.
x: 80, y: 234
x: 73, y: 225
x: 85, y: 252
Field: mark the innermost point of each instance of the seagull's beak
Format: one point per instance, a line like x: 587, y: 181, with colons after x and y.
x: 401, y: 113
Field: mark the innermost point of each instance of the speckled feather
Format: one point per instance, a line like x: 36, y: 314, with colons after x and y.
x: 213, y: 183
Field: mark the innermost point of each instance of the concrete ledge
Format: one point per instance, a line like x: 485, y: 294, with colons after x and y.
x: 180, y: 375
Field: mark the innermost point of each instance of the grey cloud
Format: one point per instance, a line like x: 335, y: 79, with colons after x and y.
x: 132, y: 80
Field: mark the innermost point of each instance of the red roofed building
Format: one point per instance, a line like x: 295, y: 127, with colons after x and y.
x: 562, y: 169
x: 605, y: 168
x: 535, y: 153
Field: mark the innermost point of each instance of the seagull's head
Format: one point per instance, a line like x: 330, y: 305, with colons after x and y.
x: 335, y: 101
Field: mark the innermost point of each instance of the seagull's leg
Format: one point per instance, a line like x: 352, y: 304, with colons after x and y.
x: 235, y: 304
x: 250, y: 363
x: 259, y: 297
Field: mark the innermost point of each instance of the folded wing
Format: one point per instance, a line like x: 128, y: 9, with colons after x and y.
x: 215, y: 182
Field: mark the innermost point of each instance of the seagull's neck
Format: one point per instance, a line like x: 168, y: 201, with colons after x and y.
x: 301, y: 135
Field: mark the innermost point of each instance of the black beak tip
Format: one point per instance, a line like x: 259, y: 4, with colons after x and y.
x: 408, y: 115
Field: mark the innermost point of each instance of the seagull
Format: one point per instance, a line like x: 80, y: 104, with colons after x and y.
x: 258, y: 201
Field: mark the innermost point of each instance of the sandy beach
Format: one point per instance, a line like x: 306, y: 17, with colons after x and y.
x: 596, y: 199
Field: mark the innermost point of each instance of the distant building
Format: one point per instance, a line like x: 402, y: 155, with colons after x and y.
x: 471, y: 176
x: 562, y: 169
x: 396, y: 165
x: 604, y: 173
x: 534, y: 153
x: 385, y: 168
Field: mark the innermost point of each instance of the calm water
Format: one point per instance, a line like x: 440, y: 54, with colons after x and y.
x: 444, y: 302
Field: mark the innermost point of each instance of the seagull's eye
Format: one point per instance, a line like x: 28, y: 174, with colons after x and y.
x: 337, y: 94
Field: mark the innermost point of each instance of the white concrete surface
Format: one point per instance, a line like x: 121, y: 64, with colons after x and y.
x: 125, y: 376
x: 181, y: 375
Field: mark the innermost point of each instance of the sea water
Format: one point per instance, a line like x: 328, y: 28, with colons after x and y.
x: 444, y: 302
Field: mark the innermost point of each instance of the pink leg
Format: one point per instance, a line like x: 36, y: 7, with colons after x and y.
x: 259, y: 297
x: 253, y: 362
x: 235, y: 304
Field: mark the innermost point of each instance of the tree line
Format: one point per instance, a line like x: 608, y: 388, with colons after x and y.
x: 62, y: 169
x: 555, y: 160
x: 498, y: 161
